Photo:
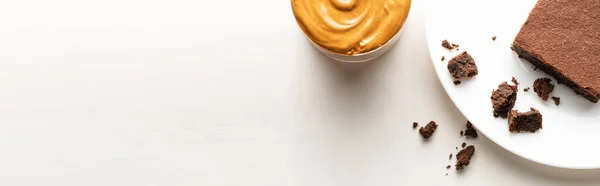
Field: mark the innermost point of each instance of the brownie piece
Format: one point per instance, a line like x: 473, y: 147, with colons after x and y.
x: 462, y: 65
x: 470, y: 132
x: 428, y: 130
x: 503, y: 99
x: 561, y: 38
x: 556, y: 100
x: 530, y: 121
x: 447, y: 45
x: 543, y: 87
x: 463, y: 158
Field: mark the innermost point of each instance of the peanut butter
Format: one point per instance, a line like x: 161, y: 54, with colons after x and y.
x: 350, y: 26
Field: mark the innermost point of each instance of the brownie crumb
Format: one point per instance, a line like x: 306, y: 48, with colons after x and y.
x: 556, y: 100
x: 463, y: 158
x: 530, y: 121
x: 514, y: 80
x: 448, y: 167
x: 543, y: 88
x: 456, y: 148
x: 470, y: 132
x: 415, y: 125
x: 450, y: 157
x: 443, y: 58
x: 463, y: 145
x: 428, y: 130
x: 446, y: 174
x: 503, y: 99
x: 526, y: 89
x: 455, y: 46
x: 447, y: 45
x: 461, y: 133
x: 493, y: 38
x: 456, y: 82
x: 462, y: 65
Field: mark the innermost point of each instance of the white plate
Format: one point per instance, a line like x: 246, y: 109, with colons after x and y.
x: 571, y: 131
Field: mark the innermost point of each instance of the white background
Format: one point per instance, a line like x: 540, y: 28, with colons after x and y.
x: 182, y: 92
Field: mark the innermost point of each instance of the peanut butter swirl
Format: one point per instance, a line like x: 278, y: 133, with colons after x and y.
x: 350, y: 26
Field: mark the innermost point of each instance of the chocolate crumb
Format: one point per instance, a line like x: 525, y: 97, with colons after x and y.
x: 447, y: 45
x: 463, y: 145
x: 448, y: 167
x: 461, y: 133
x: 514, y: 80
x: 463, y: 158
x: 471, y: 131
x: 530, y: 121
x: 494, y: 38
x: 456, y: 82
x: 543, y: 88
x: 462, y: 65
x: 443, y: 58
x: 556, y: 100
x: 415, y: 125
x: 450, y: 157
x: 428, y: 130
x: 526, y: 89
x: 454, y: 45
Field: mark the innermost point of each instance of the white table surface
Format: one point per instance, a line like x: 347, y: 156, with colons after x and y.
x: 161, y: 106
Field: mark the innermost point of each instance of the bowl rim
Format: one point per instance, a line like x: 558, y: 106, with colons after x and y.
x: 392, y: 40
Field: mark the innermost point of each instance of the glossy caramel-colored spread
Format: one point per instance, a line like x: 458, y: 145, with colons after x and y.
x: 350, y: 26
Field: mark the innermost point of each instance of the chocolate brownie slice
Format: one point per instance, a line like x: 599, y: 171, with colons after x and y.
x: 562, y: 38
x: 530, y: 121
x: 503, y: 99
x: 543, y: 87
x: 462, y: 65
x: 428, y: 130
x: 463, y: 158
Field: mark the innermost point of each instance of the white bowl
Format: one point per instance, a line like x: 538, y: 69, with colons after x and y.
x: 361, y: 57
